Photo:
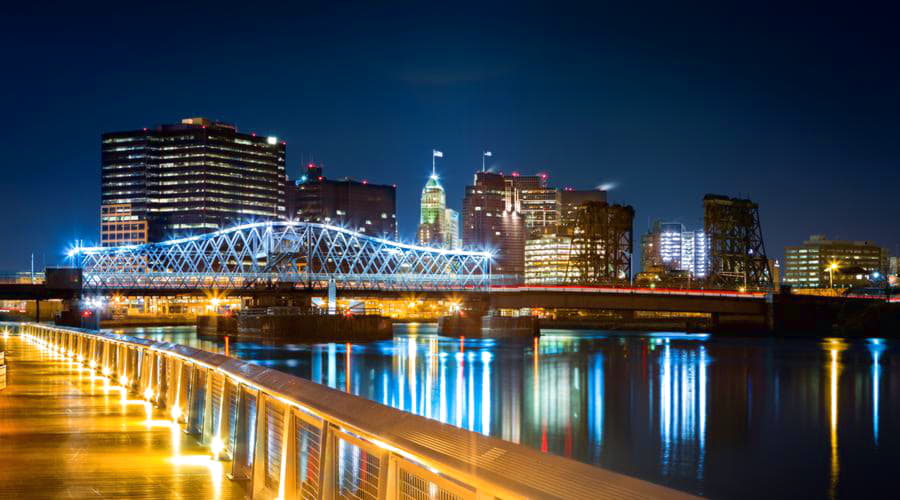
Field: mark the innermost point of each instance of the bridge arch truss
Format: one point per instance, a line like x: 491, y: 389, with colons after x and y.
x: 283, y: 255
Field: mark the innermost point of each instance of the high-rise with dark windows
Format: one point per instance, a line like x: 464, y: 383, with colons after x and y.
x: 357, y: 205
x: 193, y: 177
x: 492, y: 220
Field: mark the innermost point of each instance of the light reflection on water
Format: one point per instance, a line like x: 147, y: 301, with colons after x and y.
x: 714, y: 416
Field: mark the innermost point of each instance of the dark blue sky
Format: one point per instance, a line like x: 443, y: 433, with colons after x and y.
x: 796, y: 107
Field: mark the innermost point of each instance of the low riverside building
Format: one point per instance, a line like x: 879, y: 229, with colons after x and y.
x: 823, y: 263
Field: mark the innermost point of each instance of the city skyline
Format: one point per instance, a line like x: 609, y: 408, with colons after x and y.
x: 682, y: 113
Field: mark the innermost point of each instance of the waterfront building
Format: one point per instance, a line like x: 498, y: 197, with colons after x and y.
x: 120, y: 226
x: 193, y: 177
x: 669, y: 245
x: 357, y: 205
x: 823, y: 263
x: 547, y: 259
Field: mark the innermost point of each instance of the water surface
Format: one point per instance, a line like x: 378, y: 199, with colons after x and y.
x: 716, y: 416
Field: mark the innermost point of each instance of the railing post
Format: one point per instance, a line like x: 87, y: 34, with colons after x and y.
x: 258, y: 467
x: 390, y: 481
x: 289, y: 456
x: 327, y: 458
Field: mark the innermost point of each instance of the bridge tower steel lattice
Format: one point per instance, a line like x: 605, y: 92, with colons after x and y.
x: 737, y: 252
x: 602, y: 245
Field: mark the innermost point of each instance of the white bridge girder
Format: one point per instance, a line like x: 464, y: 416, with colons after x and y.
x: 295, y: 254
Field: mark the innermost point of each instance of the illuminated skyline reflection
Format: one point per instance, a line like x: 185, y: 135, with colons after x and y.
x: 713, y: 416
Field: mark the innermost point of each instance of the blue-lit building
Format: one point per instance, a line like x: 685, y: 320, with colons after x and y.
x: 671, y: 246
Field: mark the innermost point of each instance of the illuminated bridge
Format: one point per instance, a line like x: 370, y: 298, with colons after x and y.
x: 282, y: 255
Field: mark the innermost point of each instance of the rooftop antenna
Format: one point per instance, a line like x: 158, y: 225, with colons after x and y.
x: 435, y: 154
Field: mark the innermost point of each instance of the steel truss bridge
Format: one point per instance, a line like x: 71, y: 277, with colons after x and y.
x: 284, y: 254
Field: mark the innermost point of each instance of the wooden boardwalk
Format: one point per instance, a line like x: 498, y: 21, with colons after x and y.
x: 64, y: 434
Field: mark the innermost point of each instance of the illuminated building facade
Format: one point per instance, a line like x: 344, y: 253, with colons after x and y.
x: 547, y: 259
x: 670, y: 246
x: 438, y: 225
x: 358, y: 205
x: 850, y: 263
x: 451, y: 229
x: 193, y: 177
x: 540, y: 207
x: 119, y: 226
x: 551, y: 220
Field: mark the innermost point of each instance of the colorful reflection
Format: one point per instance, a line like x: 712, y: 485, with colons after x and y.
x: 703, y: 414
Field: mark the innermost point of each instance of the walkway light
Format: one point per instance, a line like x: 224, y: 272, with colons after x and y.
x: 148, y: 394
x: 217, y: 446
x: 176, y: 413
x: 123, y: 381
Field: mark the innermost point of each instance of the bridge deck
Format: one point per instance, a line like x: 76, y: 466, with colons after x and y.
x: 63, y: 435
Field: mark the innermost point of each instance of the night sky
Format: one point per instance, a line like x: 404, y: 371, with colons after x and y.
x: 796, y: 107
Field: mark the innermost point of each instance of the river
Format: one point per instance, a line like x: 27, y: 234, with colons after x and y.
x: 716, y: 416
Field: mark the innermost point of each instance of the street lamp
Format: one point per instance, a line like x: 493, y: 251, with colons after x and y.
x: 832, y: 267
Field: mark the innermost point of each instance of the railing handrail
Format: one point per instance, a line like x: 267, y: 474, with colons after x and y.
x: 488, y: 465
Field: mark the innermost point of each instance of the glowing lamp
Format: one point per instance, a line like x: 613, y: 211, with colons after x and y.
x: 216, y: 446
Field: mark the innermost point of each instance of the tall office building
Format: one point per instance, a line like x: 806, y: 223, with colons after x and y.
x: 540, y: 207
x: 358, y: 205
x: 450, y: 228
x: 671, y: 246
x: 438, y: 225
x: 821, y: 263
x: 194, y: 177
x: 491, y: 220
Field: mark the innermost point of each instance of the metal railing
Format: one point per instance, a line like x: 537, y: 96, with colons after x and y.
x: 295, y: 439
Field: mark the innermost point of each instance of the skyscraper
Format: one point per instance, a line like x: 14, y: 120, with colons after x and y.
x: 438, y: 225
x: 193, y: 177
x: 358, y: 205
x: 492, y: 221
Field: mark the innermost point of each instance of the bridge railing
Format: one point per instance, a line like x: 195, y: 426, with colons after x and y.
x: 294, y: 439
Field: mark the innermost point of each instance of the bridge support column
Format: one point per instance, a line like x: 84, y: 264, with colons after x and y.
x: 37, y: 311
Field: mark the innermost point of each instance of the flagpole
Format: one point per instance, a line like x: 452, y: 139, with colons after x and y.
x: 482, y: 161
x: 432, y: 163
